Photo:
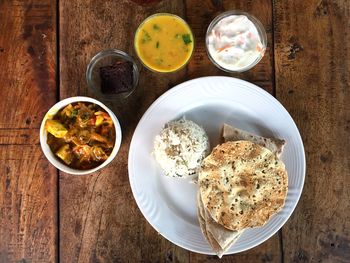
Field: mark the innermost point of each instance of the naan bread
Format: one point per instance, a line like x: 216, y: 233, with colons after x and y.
x: 242, y: 184
x: 230, y: 133
x: 219, y: 238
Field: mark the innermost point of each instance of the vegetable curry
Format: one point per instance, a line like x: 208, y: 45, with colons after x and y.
x: 81, y: 135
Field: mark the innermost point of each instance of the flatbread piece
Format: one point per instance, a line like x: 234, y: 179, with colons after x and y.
x: 231, y: 133
x: 219, y: 238
x: 242, y: 184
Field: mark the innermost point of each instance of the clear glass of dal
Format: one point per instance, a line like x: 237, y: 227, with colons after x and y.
x: 236, y: 41
x: 164, y: 43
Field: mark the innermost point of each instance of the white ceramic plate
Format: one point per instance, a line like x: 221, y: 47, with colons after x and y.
x: 169, y: 204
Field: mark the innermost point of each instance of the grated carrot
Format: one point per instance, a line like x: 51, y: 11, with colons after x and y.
x: 258, y: 48
x: 224, y: 47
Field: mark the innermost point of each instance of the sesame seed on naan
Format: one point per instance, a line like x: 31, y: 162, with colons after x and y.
x: 242, y: 184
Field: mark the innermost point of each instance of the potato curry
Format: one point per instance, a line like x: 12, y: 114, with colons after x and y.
x: 81, y: 135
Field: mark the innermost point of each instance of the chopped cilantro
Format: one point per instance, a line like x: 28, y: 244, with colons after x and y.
x: 146, y: 37
x: 84, y: 116
x: 159, y: 61
x: 74, y: 113
x: 186, y: 38
x: 157, y: 45
x: 156, y: 27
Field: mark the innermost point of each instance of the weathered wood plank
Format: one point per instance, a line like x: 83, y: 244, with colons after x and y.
x: 28, y: 228
x: 269, y: 251
x: 27, y: 61
x: 100, y: 221
x: 312, y: 41
x: 19, y: 136
x: 28, y: 184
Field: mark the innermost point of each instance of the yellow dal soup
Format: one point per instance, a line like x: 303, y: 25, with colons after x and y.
x: 164, y: 42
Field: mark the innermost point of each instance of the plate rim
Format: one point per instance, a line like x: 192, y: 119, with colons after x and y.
x: 257, y: 89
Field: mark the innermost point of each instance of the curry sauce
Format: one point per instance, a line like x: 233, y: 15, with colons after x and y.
x: 81, y: 135
x: 164, y: 42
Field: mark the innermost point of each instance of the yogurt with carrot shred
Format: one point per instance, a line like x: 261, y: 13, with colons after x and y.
x: 234, y: 43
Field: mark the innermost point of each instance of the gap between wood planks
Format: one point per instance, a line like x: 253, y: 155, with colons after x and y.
x: 274, y: 93
x: 58, y: 98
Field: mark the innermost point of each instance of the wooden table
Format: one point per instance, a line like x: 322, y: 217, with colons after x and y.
x: 49, y: 216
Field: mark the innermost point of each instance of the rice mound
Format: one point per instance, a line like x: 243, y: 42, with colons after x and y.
x: 181, y: 147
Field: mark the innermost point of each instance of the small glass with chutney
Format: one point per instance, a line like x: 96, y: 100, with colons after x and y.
x: 112, y: 75
x: 164, y: 42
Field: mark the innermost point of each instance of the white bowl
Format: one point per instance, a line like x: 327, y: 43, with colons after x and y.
x: 50, y: 155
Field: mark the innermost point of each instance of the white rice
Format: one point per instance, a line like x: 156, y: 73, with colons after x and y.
x: 180, y: 148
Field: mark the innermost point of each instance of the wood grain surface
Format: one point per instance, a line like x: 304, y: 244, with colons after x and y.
x: 28, y: 184
x: 312, y: 52
x: 306, y: 67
